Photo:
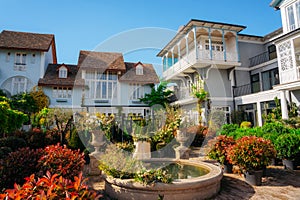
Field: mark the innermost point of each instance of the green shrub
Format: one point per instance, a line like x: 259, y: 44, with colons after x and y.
x: 153, y: 176
x: 60, y: 160
x: 227, y: 129
x: 13, y: 142
x: 17, y: 165
x: 51, y: 187
x: 275, y: 128
x: 288, y: 146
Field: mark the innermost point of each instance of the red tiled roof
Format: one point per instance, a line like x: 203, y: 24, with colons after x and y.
x: 149, y: 75
x: 25, y: 40
x: 51, y: 76
x: 101, y: 61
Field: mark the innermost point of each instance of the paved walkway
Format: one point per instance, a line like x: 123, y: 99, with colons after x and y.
x: 279, y: 184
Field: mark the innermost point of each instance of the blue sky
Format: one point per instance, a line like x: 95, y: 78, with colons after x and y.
x: 84, y: 24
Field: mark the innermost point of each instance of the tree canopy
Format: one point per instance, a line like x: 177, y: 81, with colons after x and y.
x: 158, y: 95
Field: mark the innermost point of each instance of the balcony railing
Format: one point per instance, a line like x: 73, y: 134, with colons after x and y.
x: 242, y: 90
x: 258, y: 59
x: 189, y: 59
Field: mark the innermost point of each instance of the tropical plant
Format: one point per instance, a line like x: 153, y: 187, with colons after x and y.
x: 288, y: 146
x: 167, y: 132
x: 51, y: 187
x: 60, y: 160
x: 251, y: 153
x: 201, y: 94
x: 218, y: 148
x: 158, y: 96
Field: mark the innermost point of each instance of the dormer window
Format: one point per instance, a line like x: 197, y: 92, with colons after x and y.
x: 63, y: 72
x: 139, y: 70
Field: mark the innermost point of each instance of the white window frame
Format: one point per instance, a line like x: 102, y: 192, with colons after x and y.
x: 21, y: 59
x: 63, y: 72
x: 295, y: 14
x: 101, y: 85
x: 19, y: 85
x: 137, y: 91
x: 139, y: 70
x: 62, y: 92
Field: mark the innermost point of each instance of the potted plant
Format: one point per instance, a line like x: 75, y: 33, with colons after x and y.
x: 218, y: 151
x: 252, y: 154
x: 288, y: 149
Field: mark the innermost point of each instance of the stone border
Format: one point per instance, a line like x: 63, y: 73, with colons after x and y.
x: 202, y: 187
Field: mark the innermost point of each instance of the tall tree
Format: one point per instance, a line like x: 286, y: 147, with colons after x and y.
x: 158, y: 95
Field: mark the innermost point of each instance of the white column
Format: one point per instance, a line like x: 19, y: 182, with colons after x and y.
x: 179, y: 54
x: 172, y: 56
x: 187, y: 46
x: 209, y: 40
x: 224, y: 44
x: 259, y: 115
x: 195, y: 42
x: 284, y: 107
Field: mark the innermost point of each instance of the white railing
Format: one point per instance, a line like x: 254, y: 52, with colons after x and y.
x: 190, y: 59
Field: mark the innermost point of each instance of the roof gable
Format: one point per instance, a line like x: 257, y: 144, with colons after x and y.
x: 25, y: 40
x: 101, y: 61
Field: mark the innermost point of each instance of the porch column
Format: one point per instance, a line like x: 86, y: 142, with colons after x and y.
x: 209, y: 40
x: 187, y: 46
x: 224, y: 44
x: 284, y: 107
x: 259, y: 115
x: 179, y: 54
x: 195, y: 42
x: 172, y: 56
x: 237, y: 46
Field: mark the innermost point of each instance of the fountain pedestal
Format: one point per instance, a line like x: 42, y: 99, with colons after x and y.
x: 182, y: 152
x: 97, y: 142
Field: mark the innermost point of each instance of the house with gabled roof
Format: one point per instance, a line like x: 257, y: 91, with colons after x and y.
x: 112, y: 84
x: 24, y: 58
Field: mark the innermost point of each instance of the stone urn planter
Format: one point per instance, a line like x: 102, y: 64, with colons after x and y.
x: 97, y: 142
x: 182, y: 152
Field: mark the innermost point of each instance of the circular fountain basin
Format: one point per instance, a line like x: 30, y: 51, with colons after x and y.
x: 202, y: 187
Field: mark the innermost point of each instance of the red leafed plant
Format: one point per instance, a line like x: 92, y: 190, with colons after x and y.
x: 62, y: 161
x: 251, y: 153
x: 218, y: 148
x: 17, y: 165
x: 51, y: 187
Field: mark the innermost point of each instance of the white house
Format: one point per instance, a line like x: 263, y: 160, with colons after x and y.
x: 241, y: 72
x: 24, y: 58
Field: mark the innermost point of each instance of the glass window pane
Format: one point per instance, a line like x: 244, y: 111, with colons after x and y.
x: 104, y: 90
